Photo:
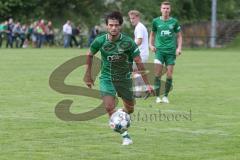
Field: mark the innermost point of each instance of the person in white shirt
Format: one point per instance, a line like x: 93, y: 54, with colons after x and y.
x: 141, y: 39
x: 67, y: 33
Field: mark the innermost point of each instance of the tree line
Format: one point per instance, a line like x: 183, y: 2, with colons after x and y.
x: 91, y: 12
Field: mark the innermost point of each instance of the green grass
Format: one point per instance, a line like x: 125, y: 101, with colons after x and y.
x: 205, y: 82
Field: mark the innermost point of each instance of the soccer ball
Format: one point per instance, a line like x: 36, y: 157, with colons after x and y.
x: 120, y: 121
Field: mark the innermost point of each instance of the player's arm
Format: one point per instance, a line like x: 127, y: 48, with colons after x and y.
x: 179, y: 43
x: 141, y: 68
x: 88, y: 74
x: 151, y: 41
x: 94, y: 48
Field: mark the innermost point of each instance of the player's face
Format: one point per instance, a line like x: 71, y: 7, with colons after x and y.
x: 165, y: 9
x: 134, y: 19
x: 113, y: 27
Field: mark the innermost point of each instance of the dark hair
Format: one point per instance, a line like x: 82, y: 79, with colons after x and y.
x: 115, y: 16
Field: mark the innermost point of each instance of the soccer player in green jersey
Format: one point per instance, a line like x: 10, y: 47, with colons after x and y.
x: 118, y: 51
x: 166, y: 42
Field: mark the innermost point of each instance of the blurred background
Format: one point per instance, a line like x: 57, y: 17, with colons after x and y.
x: 87, y: 15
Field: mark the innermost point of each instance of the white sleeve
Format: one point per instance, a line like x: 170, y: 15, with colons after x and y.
x: 138, y: 32
x: 64, y: 29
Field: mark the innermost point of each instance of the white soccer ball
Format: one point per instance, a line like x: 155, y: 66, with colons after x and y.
x: 120, y: 121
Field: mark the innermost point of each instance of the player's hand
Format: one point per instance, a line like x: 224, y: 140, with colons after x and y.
x: 149, y: 91
x: 152, y: 48
x: 178, y: 52
x: 88, y: 81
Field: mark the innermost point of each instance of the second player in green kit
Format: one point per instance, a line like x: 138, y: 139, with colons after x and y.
x: 166, y: 42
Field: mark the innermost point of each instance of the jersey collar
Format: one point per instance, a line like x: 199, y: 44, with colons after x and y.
x: 161, y: 18
x: 120, y: 37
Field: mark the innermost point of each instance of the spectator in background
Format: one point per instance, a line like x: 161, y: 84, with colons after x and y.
x: 67, y: 33
x: 5, y: 27
x: 49, y: 33
x: 80, y: 37
x: 10, y: 36
x: 1, y: 33
x: 17, y: 33
x: 33, y: 33
x: 93, y: 35
x: 41, y: 32
x: 24, y: 36
x: 75, y: 33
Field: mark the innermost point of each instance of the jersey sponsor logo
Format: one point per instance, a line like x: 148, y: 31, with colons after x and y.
x: 165, y: 33
x: 116, y: 58
x: 121, y: 51
x: 125, y: 45
x: 109, y: 47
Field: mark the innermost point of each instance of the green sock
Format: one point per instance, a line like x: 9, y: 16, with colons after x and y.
x: 157, y: 85
x: 125, y: 135
x: 168, y: 86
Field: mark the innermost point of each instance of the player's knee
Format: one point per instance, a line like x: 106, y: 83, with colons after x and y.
x: 130, y: 109
x: 110, y: 109
x: 169, y: 74
x: 169, y: 77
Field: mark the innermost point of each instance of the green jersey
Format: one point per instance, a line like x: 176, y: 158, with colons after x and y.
x: 3, y: 27
x: 116, y: 57
x: 165, y: 33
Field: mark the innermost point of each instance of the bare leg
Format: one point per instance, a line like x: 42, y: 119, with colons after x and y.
x: 168, y: 84
x: 157, y: 82
x: 170, y: 71
x: 158, y: 70
x: 109, y: 103
x: 128, y: 106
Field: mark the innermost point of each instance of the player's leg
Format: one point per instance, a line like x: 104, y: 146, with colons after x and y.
x: 136, y: 81
x: 129, y: 108
x: 109, y: 103
x: 108, y: 93
x: 124, y: 90
x: 170, y: 61
x: 168, y: 83
x: 169, y: 79
x: 139, y: 85
x: 158, y: 67
x: 141, y: 82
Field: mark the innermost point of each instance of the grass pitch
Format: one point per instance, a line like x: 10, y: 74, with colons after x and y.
x: 201, y: 122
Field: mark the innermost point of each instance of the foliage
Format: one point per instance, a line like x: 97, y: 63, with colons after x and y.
x: 90, y: 12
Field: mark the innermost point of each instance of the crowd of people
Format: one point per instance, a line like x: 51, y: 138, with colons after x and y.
x: 70, y: 32
x: 39, y: 33
x: 22, y: 35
